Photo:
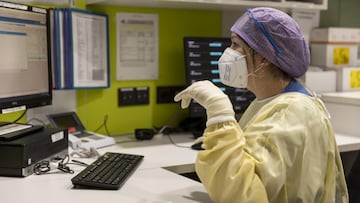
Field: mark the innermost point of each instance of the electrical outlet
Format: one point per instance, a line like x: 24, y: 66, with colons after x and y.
x: 142, y: 95
x: 126, y: 96
x: 133, y: 96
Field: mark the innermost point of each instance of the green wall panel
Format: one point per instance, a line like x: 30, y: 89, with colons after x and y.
x: 174, y: 24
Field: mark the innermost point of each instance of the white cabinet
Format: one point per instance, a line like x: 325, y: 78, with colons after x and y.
x: 344, y: 108
x: 216, y: 4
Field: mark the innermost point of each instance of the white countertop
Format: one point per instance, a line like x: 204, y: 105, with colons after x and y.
x: 151, y: 182
x: 352, y: 97
x: 347, y: 142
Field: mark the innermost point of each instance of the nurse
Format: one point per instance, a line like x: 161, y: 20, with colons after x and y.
x: 283, y: 149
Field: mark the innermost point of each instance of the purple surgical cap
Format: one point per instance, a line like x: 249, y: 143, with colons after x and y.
x: 277, y: 37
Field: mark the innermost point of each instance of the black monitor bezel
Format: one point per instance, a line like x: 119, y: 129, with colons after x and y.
x: 24, y: 102
x: 195, y: 110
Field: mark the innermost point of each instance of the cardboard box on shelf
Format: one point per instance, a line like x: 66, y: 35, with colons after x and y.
x: 320, y: 81
x: 335, y: 34
x: 344, y: 108
x: 348, y: 79
x: 333, y: 55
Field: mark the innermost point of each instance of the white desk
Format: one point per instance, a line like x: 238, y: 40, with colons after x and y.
x: 150, y: 183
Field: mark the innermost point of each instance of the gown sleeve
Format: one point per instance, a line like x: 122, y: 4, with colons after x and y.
x: 286, y: 153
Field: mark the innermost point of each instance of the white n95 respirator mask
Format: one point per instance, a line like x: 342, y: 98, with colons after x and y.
x: 233, y: 69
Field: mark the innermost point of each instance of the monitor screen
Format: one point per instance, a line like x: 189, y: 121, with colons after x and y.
x: 25, y: 67
x: 201, y: 58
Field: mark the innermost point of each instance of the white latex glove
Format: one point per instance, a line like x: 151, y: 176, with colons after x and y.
x: 217, y: 104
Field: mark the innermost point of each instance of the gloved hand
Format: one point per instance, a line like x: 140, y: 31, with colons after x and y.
x: 217, y: 104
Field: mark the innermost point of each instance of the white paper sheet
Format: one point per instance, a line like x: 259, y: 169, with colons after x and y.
x: 137, y: 46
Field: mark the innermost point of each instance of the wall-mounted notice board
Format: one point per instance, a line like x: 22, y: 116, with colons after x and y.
x: 80, y: 49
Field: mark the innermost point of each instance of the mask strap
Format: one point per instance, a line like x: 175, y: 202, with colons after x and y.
x: 263, y: 30
x: 259, y: 67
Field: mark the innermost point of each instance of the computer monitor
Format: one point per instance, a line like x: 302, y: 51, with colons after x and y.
x: 201, y: 59
x: 25, y: 65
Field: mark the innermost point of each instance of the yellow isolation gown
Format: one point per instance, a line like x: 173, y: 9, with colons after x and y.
x: 283, y: 150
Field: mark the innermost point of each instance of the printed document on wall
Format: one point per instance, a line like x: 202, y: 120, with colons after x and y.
x: 90, y: 49
x: 137, y: 46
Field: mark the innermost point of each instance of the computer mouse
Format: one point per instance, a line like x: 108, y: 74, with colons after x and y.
x: 197, y: 146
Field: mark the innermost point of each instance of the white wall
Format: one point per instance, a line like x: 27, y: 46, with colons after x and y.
x: 63, y: 100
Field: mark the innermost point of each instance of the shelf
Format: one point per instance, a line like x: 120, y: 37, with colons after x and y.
x: 215, y: 4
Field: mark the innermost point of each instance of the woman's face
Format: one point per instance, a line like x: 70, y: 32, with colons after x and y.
x: 251, y: 58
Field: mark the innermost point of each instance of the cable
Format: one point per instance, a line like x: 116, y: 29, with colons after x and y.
x: 172, y: 141
x: 125, y: 141
x: 104, y: 124
x: 46, y: 166
x: 42, y: 167
x: 106, y: 129
x: 168, y: 135
x: 22, y: 115
x: 85, y: 153
x: 80, y: 163
x: 167, y: 128
x: 38, y: 120
x: 170, y: 120
x: 164, y: 130
x: 62, y: 166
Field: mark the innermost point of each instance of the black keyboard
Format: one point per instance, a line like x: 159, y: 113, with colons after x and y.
x: 109, y: 171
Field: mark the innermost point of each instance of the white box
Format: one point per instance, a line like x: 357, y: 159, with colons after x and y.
x: 348, y: 79
x: 321, y: 81
x: 333, y: 55
x: 344, y: 109
x: 335, y: 34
